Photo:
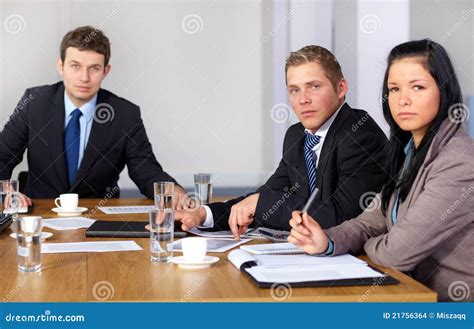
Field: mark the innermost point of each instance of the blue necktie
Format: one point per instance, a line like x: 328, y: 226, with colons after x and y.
x: 310, y: 157
x: 71, y: 143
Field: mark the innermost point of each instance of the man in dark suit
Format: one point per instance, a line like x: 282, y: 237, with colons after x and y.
x: 334, y: 148
x: 79, y: 137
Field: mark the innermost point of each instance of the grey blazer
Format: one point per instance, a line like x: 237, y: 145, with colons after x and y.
x: 433, y: 238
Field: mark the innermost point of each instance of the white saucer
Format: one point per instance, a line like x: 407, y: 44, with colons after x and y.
x: 183, y: 263
x: 75, y: 212
x: 44, y: 235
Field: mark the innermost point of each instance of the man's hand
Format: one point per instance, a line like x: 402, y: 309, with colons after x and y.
x: 241, y: 215
x: 23, y: 201
x: 307, y: 234
x: 190, y: 218
x: 181, y: 200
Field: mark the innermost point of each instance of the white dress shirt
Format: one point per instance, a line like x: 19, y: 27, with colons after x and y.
x: 85, y: 121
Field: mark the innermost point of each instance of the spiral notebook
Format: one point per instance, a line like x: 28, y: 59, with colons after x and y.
x: 285, y: 248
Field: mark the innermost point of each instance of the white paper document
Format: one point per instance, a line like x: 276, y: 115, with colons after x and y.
x: 306, y: 260
x: 68, y: 223
x: 20, y: 210
x: 313, y: 273
x: 273, y: 248
x: 215, y: 245
x: 301, y: 268
x: 239, y: 256
x: 98, y: 246
x: 126, y: 210
x: 251, y: 233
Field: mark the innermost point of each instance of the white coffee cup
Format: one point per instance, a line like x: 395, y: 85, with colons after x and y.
x: 67, y: 201
x: 194, y: 249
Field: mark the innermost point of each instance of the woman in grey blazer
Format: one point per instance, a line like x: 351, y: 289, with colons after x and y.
x: 422, y: 220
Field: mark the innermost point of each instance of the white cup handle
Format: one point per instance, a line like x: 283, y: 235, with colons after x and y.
x: 56, y: 202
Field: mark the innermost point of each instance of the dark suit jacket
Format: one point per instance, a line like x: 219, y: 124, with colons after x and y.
x: 351, y: 163
x: 116, y: 140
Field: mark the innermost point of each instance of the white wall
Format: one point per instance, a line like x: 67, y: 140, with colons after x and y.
x: 453, y: 27
x: 207, y: 97
x: 366, y: 30
x: 201, y: 94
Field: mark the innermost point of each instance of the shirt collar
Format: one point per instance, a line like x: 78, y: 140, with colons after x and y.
x: 87, y: 109
x: 323, y: 130
x: 409, y: 147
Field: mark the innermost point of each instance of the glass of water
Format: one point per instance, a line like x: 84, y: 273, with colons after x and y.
x: 164, y: 194
x: 9, y: 193
x: 161, y: 235
x: 28, y: 237
x: 9, y: 203
x: 203, y: 188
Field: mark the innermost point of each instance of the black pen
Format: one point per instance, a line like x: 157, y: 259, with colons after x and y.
x: 310, y: 200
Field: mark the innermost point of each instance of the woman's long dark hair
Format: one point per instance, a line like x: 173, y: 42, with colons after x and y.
x: 436, y: 60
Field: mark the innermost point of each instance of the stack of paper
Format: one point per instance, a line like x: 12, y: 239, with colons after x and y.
x: 126, y: 210
x: 251, y: 233
x: 215, y: 245
x: 301, y: 268
x: 99, y: 246
x: 68, y: 223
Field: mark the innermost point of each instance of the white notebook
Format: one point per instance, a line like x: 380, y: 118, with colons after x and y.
x: 303, y: 269
x: 285, y: 248
x: 314, y: 273
x: 239, y: 257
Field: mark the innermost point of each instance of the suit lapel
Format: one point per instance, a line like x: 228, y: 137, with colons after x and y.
x: 328, y: 144
x: 97, y: 137
x: 55, y: 137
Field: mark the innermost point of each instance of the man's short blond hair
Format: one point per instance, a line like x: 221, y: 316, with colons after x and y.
x: 320, y: 55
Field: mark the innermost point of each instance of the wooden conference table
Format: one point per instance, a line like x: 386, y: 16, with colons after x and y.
x: 130, y: 276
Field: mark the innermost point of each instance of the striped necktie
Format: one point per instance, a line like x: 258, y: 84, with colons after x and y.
x: 310, y: 157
